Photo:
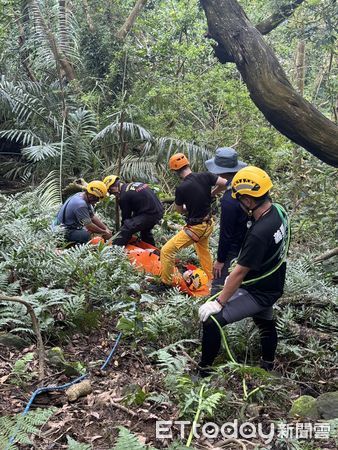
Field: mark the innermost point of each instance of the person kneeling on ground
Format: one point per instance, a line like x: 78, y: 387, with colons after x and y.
x: 77, y: 215
x: 257, y: 280
x: 141, y: 209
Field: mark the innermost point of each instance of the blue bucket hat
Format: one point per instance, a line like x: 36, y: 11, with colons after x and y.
x: 225, y: 161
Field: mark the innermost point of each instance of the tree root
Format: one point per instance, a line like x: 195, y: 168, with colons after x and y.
x: 327, y: 255
x: 36, y: 329
x: 220, y: 445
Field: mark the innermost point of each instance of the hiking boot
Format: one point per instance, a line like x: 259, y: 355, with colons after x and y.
x: 205, y: 371
x: 266, y: 365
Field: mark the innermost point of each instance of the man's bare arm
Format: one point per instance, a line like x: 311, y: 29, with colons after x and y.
x: 221, y: 185
x: 96, y: 221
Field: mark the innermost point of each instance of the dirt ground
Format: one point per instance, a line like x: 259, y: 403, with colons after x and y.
x: 94, y: 419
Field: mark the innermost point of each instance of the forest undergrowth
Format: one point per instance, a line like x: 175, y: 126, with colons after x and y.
x: 85, y: 296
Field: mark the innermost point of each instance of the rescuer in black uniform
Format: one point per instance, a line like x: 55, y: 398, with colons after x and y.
x: 141, y: 209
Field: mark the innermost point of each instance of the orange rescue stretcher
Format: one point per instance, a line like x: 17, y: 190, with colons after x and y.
x: 146, y: 258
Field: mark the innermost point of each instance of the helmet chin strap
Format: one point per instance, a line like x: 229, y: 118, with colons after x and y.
x: 250, y: 211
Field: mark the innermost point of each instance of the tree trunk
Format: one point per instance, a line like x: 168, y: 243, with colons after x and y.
x: 128, y: 24
x: 300, y: 81
x: 24, y: 55
x: 300, y: 67
x: 60, y: 58
x: 88, y: 16
x: 240, y: 42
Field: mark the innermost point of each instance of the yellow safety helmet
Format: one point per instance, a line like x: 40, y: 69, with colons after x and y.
x: 97, y: 188
x: 198, y: 279
x: 178, y: 161
x: 251, y: 181
x: 110, y: 180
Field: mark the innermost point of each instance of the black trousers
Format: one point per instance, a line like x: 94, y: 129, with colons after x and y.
x: 143, y: 223
x: 238, y: 307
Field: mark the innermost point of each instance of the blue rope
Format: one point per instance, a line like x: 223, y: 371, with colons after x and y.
x: 103, y: 367
x: 62, y: 387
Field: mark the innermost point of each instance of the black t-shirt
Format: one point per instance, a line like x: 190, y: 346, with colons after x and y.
x: 261, y: 251
x: 195, y: 193
x: 137, y: 198
x: 232, y: 228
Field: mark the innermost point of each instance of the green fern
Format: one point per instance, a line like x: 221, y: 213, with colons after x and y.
x: 48, y: 192
x: 170, y: 364
x: 17, y: 429
x: 43, y: 151
x: 167, y: 146
x: 130, y: 130
x: 74, y: 445
x: 62, y: 24
x: 23, y: 101
x: 20, y: 373
x: 304, y: 279
x: 128, y: 441
x: 161, y: 324
x: 210, y: 403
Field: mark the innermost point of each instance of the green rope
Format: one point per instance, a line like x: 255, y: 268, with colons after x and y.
x: 285, y: 220
x: 225, y: 342
x: 197, y: 415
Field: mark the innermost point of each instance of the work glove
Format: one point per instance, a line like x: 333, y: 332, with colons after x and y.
x: 209, y: 308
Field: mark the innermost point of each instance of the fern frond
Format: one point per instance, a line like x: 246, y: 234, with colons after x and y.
x: 210, y: 403
x: 22, y: 104
x: 195, y: 153
x: 169, y: 363
x: 25, y: 137
x: 137, y: 168
x: 131, y: 132
x: 19, y: 427
x: 18, y: 170
x: 128, y: 441
x: 74, y: 445
x: 48, y: 192
x: 68, y: 33
x: 40, y: 152
x: 303, y: 279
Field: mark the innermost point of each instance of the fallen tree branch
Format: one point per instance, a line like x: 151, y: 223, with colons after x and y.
x: 36, y: 329
x: 305, y: 299
x: 305, y: 333
x: 327, y: 255
x: 123, y: 408
x: 222, y: 444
